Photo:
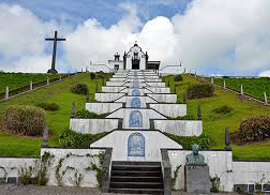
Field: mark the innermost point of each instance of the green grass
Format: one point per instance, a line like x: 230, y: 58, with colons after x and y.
x: 252, y: 86
x: 17, y: 80
x: 57, y: 120
x: 214, y: 124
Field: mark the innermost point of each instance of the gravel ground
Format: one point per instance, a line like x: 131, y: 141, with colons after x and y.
x: 46, y: 190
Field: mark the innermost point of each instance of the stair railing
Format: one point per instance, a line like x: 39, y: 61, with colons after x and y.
x: 166, y: 169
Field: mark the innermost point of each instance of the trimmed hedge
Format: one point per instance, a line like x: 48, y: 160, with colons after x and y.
x: 92, y: 75
x: 178, y: 78
x: 205, y: 142
x: 196, y: 91
x: 48, y: 106
x: 254, y: 129
x: 79, y: 89
x: 25, y: 120
x: 83, y: 113
x: 223, y: 110
x: 72, y: 139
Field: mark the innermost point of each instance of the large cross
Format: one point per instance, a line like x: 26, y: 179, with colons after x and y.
x: 55, y: 39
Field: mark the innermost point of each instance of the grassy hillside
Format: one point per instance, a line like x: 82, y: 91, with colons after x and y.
x: 17, y: 80
x: 252, y: 86
x: 57, y: 120
x: 214, y: 124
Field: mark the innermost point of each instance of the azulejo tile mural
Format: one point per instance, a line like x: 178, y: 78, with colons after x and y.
x: 135, y: 119
x: 136, y: 145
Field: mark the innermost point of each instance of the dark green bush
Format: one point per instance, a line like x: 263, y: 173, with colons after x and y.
x: 88, y: 115
x: 178, y: 78
x: 187, y: 117
x: 101, y: 75
x: 25, y: 120
x: 196, y: 91
x: 92, y: 75
x: 223, y: 110
x: 79, y: 89
x: 48, y: 106
x: 71, y: 139
x: 205, y: 142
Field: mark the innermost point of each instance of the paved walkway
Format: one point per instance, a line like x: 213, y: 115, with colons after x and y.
x: 45, y: 190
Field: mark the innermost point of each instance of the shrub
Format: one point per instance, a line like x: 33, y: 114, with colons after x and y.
x: 223, y: 110
x: 101, y: 75
x: 72, y: 139
x: 48, y: 106
x: 187, y: 117
x: 205, y: 142
x: 196, y: 91
x: 43, y: 172
x: 88, y: 115
x: 25, y: 120
x: 254, y: 129
x: 79, y: 89
x: 92, y: 75
x: 25, y: 173
x: 178, y: 78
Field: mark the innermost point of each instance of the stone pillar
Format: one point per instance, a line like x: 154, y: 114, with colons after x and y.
x: 242, y: 90
x: 199, y: 113
x: 96, y: 88
x: 60, y: 78
x: 185, y: 70
x: 73, y: 110
x: 265, y: 98
x: 184, y: 97
x: 212, y: 80
x: 227, y: 139
x: 45, y: 142
x: 224, y: 84
x: 7, y: 93
x: 87, y: 96
x: 48, y: 81
x: 31, y: 85
x: 195, y: 74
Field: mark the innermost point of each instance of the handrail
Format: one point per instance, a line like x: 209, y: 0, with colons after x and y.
x: 166, y: 168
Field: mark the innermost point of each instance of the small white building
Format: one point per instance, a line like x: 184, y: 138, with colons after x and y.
x: 134, y: 59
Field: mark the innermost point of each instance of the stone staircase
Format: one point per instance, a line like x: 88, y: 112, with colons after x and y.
x: 129, y: 177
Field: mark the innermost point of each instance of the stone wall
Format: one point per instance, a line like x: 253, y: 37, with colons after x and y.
x: 108, y: 97
x: 180, y: 127
x: 159, y: 90
x: 171, y: 110
x: 73, y: 160
x: 164, y: 98
x: 91, y: 126
x: 143, y: 100
x: 115, y: 89
x: 118, y: 140
x: 9, y: 167
x: 102, y: 108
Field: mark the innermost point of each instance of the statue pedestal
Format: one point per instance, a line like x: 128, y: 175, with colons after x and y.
x: 197, y: 179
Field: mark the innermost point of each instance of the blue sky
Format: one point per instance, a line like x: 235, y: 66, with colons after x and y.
x: 105, y: 11
x: 211, y: 37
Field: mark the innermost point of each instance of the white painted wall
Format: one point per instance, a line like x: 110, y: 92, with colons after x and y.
x: 114, y: 83
x: 92, y: 126
x: 108, y: 97
x: 159, y: 89
x: 146, y: 115
x: 12, y: 165
x: 171, y: 110
x: 118, y: 140
x: 156, y: 84
x: 102, y: 107
x: 164, y: 98
x: 79, y: 163
x: 144, y: 100
x: 180, y: 127
x: 219, y: 162
x: 112, y: 89
x: 112, y: 63
x: 251, y: 172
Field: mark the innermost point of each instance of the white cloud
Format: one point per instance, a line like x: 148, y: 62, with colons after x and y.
x: 265, y: 73
x: 227, y: 35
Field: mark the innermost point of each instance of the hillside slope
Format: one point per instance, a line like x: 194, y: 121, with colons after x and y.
x: 214, y: 124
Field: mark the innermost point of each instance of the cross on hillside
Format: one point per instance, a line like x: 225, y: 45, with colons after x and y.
x: 55, y: 39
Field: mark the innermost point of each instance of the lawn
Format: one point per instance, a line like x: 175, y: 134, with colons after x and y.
x: 214, y: 124
x: 252, y: 86
x: 17, y: 80
x: 59, y: 93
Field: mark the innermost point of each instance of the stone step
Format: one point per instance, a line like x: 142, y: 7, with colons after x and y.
x: 136, y: 185
x: 136, y: 179
x: 135, y: 163
x: 136, y: 173
x: 137, y: 167
x: 136, y: 191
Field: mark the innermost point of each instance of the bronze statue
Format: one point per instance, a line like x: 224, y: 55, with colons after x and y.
x: 195, y: 158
